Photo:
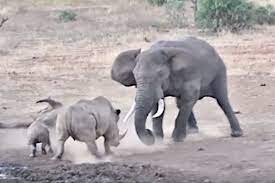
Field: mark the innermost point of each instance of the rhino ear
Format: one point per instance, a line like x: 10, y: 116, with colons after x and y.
x: 123, y: 66
x: 118, y: 111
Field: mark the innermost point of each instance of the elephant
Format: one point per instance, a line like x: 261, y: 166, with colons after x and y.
x: 86, y: 121
x: 188, y: 69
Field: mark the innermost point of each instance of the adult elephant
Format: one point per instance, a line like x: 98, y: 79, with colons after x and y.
x: 189, y: 70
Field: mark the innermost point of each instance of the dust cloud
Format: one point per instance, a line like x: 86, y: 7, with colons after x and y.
x: 77, y: 152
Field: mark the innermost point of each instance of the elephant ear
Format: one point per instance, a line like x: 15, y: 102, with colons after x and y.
x: 123, y: 66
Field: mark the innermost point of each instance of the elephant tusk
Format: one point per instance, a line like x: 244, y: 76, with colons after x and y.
x: 123, y: 135
x: 160, y: 108
x: 130, y: 113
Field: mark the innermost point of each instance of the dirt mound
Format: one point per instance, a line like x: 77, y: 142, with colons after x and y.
x: 102, y: 172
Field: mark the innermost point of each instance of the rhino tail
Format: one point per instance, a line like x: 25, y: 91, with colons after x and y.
x: 54, y: 104
x: 16, y: 125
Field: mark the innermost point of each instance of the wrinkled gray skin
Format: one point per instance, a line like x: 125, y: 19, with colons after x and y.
x: 38, y: 131
x: 188, y: 70
x: 86, y: 121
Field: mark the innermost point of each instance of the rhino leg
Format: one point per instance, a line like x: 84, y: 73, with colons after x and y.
x: 33, y: 150
x: 60, y: 149
x: 50, y: 147
x: 43, y: 148
x: 107, y: 147
x: 93, y: 149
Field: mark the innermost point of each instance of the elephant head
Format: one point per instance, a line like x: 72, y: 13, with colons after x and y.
x: 123, y: 66
x: 149, y: 71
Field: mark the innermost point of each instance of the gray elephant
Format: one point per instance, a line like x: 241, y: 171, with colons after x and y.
x: 188, y: 70
x: 86, y: 121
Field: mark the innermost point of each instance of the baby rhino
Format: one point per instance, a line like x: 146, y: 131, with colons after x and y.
x: 38, y: 131
x: 86, y: 121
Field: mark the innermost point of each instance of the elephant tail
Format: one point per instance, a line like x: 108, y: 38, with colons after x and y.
x: 54, y: 104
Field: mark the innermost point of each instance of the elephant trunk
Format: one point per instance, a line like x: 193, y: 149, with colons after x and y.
x: 144, y: 103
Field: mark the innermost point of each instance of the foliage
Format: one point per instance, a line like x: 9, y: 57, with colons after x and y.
x: 67, y: 16
x: 264, y: 15
x: 157, y: 2
x: 232, y: 15
x: 175, y: 12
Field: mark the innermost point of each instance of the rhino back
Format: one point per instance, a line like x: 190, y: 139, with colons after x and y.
x: 37, y: 133
x: 102, y: 110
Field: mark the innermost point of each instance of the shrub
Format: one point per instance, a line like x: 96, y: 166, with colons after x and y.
x: 217, y: 15
x: 67, y: 16
x: 175, y: 12
x: 157, y: 2
x: 264, y: 15
x: 232, y: 15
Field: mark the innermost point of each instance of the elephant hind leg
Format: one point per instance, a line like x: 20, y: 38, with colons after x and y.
x: 221, y: 95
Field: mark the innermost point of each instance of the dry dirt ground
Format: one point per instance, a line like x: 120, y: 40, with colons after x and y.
x: 41, y: 56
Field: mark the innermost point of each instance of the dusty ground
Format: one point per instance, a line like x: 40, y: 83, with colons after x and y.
x: 41, y: 56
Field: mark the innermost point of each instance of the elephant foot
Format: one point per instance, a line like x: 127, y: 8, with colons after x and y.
x: 192, y: 130
x: 159, y: 140
x: 178, y: 137
x: 158, y: 137
x: 55, y: 158
x: 237, y: 133
x: 147, y: 138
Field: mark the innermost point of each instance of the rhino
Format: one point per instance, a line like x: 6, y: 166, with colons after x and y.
x: 86, y: 121
x: 38, y: 130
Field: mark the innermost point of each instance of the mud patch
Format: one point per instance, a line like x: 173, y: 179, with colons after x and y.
x: 102, y: 172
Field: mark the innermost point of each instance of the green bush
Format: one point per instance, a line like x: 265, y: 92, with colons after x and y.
x: 175, y: 12
x: 67, y: 16
x: 232, y: 15
x: 157, y: 2
x: 217, y: 15
x: 264, y: 15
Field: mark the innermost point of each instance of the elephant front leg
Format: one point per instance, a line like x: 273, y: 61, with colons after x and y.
x: 157, y: 123
x: 185, y: 105
x: 192, y: 124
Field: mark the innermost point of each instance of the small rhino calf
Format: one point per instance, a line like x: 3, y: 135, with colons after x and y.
x: 38, y: 131
x: 86, y: 121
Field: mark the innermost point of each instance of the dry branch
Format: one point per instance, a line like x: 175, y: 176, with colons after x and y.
x: 3, y: 21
